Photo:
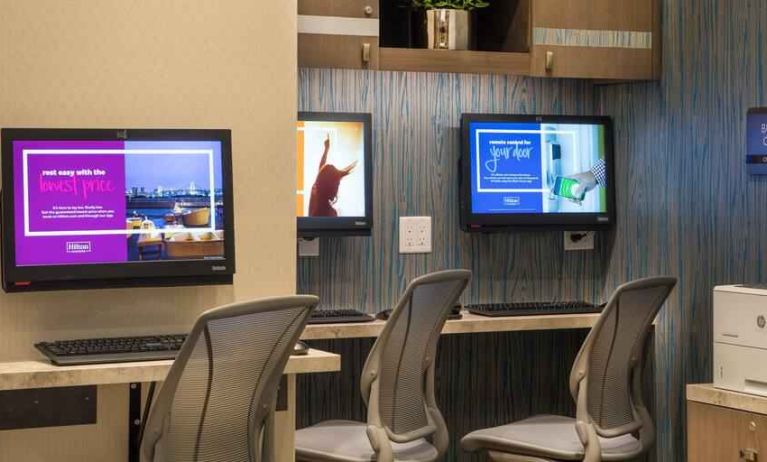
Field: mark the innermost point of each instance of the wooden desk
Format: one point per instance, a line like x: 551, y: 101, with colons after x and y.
x: 469, y: 324
x: 42, y: 374
x: 725, y: 425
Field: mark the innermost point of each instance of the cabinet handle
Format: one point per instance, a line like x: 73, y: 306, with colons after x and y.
x: 549, y: 61
x: 366, y: 53
x: 749, y: 455
x: 368, y: 10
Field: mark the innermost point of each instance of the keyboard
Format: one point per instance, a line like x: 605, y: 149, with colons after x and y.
x: 112, y: 350
x: 339, y: 316
x: 122, y: 349
x: 533, y: 308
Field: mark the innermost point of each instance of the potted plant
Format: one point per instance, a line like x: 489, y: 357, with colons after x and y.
x: 448, y: 22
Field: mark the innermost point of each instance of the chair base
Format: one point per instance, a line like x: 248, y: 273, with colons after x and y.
x: 504, y: 457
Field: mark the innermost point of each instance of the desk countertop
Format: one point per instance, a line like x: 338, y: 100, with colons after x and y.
x: 707, y: 394
x: 469, y: 324
x: 42, y: 374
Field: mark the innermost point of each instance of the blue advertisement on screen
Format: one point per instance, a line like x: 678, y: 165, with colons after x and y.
x: 507, y: 166
x: 756, y: 158
x: 530, y: 168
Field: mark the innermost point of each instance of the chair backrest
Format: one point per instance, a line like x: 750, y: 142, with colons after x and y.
x: 609, y: 363
x: 218, y: 400
x: 398, y: 377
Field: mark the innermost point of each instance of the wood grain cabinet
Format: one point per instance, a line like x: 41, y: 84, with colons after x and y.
x: 591, y: 39
x: 725, y: 426
x: 596, y: 39
x: 338, y: 33
x: 719, y: 434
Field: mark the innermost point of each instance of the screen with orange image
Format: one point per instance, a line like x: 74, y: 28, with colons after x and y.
x: 333, y: 171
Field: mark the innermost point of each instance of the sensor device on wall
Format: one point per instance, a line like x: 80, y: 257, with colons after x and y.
x: 756, y: 157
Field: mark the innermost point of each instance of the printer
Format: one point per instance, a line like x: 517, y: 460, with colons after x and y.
x: 740, y: 338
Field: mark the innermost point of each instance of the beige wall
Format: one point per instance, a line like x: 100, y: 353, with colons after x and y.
x: 152, y: 63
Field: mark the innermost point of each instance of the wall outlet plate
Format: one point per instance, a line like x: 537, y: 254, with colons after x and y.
x: 579, y: 240
x: 415, y: 235
x: 308, y: 247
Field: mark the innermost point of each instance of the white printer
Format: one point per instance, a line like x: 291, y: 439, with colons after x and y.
x: 740, y: 338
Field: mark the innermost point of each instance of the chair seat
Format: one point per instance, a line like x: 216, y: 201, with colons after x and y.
x: 547, y: 436
x: 347, y: 441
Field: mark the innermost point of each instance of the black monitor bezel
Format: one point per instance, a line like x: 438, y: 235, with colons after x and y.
x: 145, y: 274
x: 472, y: 222
x: 310, y: 227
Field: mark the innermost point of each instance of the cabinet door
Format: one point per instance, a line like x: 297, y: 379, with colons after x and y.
x: 596, y: 39
x: 754, y: 447
x: 718, y: 434
x: 338, y: 33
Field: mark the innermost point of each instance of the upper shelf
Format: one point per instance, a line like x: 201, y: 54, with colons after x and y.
x: 477, y: 62
x: 500, y: 41
x: 504, y: 26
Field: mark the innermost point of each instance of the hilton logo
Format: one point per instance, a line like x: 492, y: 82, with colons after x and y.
x: 79, y: 247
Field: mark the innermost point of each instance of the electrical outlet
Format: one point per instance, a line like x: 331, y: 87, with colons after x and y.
x: 579, y: 240
x: 414, y: 234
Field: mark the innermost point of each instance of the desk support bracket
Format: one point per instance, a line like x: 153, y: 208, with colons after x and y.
x: 134, y: 422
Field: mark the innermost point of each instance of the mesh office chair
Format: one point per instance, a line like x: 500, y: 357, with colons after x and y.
x: 404, y: 423
x: 612, y: 422
x: 218, y: 401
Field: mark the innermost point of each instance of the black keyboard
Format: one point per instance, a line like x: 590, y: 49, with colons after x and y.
x: 533, y: 308
x: 112, y: 350
x: 339, y: 316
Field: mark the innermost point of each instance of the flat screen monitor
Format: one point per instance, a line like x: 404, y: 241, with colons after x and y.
x: 110, y: 208
x: 534, y: 171
x: 334, y: 190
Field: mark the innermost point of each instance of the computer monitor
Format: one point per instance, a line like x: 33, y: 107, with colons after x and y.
x: 534, y: 171
x: 334, y: 190
x: 112, y: 208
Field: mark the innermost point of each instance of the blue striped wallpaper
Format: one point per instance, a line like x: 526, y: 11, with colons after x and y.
x: 686, y: 204
x: 689, y: 207
x: 416, y: 146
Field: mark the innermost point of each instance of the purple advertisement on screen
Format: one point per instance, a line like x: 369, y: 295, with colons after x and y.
x: 67, y: 194
x: 107, y: 202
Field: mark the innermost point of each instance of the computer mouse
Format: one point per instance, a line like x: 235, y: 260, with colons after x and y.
x: 300, y: 349
x: 455, y: 312
x: 384, y: 315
